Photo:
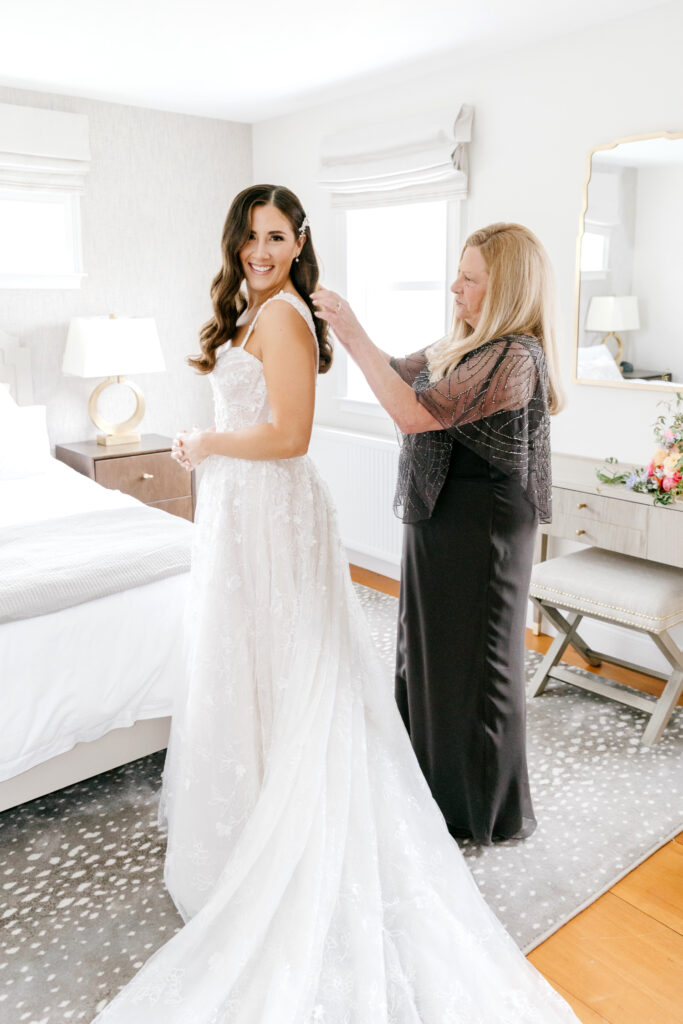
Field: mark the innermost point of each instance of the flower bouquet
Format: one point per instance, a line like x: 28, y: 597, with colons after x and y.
x: 663, y: 475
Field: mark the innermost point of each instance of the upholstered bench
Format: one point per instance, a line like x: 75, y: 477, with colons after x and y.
x: 641, y: 595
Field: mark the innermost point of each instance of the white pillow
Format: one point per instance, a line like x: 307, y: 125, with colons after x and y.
x: 597, y: 363
x: 25, y: 449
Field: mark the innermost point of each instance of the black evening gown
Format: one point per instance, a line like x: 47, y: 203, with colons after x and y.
x: 460, y: 653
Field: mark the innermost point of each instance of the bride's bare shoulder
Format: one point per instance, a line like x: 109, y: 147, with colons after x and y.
x: 280, y: 310
x: 283, y: 320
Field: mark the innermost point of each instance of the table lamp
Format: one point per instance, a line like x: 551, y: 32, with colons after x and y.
x: 111, y: 347
x: 613, y: 313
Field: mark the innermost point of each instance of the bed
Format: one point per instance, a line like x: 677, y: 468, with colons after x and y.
x: 87, y: 675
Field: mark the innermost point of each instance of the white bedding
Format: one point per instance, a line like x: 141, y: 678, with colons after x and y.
x: 73, y: 675
x: 60, y: 491
x: 59, y: 563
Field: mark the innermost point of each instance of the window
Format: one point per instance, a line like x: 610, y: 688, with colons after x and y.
x: 40, y: 239
x: 397, y: 279
x: 44, y: 160
x: 594, y: 252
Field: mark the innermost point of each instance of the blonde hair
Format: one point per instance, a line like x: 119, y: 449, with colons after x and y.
x: 519, y: 299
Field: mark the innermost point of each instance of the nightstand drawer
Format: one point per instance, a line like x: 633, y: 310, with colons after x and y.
x: 150, y: 478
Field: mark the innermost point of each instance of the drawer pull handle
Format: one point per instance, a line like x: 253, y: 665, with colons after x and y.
x: 580, y: 532
x: 147, y: 476
x: 582, y: 504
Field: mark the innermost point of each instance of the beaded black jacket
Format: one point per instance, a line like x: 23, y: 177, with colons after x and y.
x: 495, y: 402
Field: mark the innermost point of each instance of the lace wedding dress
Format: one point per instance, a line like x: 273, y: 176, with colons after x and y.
x: 314, y: 870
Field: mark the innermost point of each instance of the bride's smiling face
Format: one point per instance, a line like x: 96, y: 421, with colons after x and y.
x: 267, y: 256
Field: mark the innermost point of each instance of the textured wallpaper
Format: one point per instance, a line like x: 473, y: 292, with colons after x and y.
x: 155, y: 201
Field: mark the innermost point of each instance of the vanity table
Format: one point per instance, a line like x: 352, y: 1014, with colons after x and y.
x: 610, y: 516
x: 609, y: 587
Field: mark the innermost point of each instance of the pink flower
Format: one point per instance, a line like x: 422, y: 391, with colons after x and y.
x: 669, y: 482
x: 650, y: 468
x: 669, y: 435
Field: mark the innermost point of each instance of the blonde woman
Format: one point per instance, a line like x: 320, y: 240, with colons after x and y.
x: 474, y: 480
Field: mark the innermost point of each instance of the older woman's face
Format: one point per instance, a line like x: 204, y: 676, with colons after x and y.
x: 470, y: 286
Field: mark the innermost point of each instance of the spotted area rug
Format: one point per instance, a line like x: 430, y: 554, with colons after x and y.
x: 82, y: 900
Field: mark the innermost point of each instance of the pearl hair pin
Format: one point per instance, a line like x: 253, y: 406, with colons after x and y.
x: 305, y: 224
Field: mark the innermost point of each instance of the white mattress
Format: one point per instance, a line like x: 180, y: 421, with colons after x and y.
x: 73, y: 675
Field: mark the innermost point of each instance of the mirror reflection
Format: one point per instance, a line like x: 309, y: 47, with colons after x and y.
x: 630, y: 297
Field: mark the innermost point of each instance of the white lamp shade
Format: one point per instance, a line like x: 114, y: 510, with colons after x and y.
x: 613, y: 313
x: 102, y: 346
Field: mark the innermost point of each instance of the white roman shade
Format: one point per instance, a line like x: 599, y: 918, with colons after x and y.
x: 406, y: 160
x: 43, y: 149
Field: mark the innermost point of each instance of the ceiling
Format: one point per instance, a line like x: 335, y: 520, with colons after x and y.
x: 251, y: 61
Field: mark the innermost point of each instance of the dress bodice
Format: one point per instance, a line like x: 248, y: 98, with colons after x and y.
x: 239, y: 387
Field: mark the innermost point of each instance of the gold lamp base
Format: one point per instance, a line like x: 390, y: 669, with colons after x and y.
x: 110, y: 439
x: 117, y: 433
x: 620, y: 346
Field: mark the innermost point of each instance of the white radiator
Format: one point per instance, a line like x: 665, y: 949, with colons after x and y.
x: 361, y: 473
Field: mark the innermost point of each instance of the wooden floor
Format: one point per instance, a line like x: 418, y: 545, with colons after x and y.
x: 621, y: 960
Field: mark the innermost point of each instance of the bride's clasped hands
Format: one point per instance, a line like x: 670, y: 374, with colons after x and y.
x: 189, y: 447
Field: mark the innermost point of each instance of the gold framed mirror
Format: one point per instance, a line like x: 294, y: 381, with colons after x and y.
x: 628, y: 323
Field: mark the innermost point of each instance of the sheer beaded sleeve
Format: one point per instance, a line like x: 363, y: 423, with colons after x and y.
x: 409, y: 367
x: 495, y: 403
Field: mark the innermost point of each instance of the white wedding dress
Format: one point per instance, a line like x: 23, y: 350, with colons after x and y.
x: 315, y: 872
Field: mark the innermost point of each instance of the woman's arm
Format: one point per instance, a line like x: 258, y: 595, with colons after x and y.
x: 500, y: 376
x: 283, y: 342
x: 392, y: 392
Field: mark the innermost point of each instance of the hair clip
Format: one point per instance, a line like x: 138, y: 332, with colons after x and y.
x: 305, y: 224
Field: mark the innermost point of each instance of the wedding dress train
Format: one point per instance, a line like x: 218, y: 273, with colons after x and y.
x: 315, y: 872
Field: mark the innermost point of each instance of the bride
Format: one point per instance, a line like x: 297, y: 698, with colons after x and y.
x: 315, y: 873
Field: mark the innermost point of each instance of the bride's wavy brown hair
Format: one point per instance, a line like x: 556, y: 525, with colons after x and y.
x: 228, y: 301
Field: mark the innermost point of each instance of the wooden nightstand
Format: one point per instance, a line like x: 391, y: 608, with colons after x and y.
x: 646, y: 374
x: 145, y: 470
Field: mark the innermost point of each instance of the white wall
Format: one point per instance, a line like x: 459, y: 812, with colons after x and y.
x: 154, y: 205
x: 538, y: 111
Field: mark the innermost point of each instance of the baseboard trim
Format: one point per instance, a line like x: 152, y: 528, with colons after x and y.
x: 382, y: 566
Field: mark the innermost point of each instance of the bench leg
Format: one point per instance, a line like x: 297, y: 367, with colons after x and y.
x: 586, y: 652
x: 566, y: 633
x: 671, y: 693
x: 558, y: 620
x: 663, y: 709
